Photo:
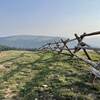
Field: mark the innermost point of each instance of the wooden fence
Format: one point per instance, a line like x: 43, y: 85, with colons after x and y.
x: 61, y: 45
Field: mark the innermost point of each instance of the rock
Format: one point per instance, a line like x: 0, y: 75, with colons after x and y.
x: 45, y: 86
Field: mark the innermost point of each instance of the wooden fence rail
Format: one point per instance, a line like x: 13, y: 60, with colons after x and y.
x: 61, y: 45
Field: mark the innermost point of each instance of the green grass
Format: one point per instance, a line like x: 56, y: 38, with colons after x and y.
x: 29, y: 75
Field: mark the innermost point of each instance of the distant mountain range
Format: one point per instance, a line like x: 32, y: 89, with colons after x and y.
x: 30, y: 41
x: 26, y: 41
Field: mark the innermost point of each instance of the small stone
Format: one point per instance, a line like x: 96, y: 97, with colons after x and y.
x: 36, y: 98
x: 45, y: 86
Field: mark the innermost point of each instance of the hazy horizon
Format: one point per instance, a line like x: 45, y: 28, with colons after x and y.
x: 11, y: 35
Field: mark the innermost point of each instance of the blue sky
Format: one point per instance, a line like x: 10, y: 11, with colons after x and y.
x: 49, y: 17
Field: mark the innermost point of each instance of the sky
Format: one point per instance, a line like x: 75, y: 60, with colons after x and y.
x: 49, y: 17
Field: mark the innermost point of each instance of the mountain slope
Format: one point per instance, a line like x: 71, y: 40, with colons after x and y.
x: 26, y: 41
x: 31, y: 41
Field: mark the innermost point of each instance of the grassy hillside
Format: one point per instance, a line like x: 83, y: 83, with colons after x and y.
x: 46, y: 76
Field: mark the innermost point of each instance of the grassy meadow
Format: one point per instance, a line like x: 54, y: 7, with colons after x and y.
x: 28, y: 75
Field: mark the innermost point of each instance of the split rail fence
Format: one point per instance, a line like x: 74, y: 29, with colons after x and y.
x: 62, y: 45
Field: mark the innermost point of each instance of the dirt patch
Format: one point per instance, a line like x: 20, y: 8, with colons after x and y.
x: 9, y: 94
x: 2, y: 67
x: 2, y: 54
